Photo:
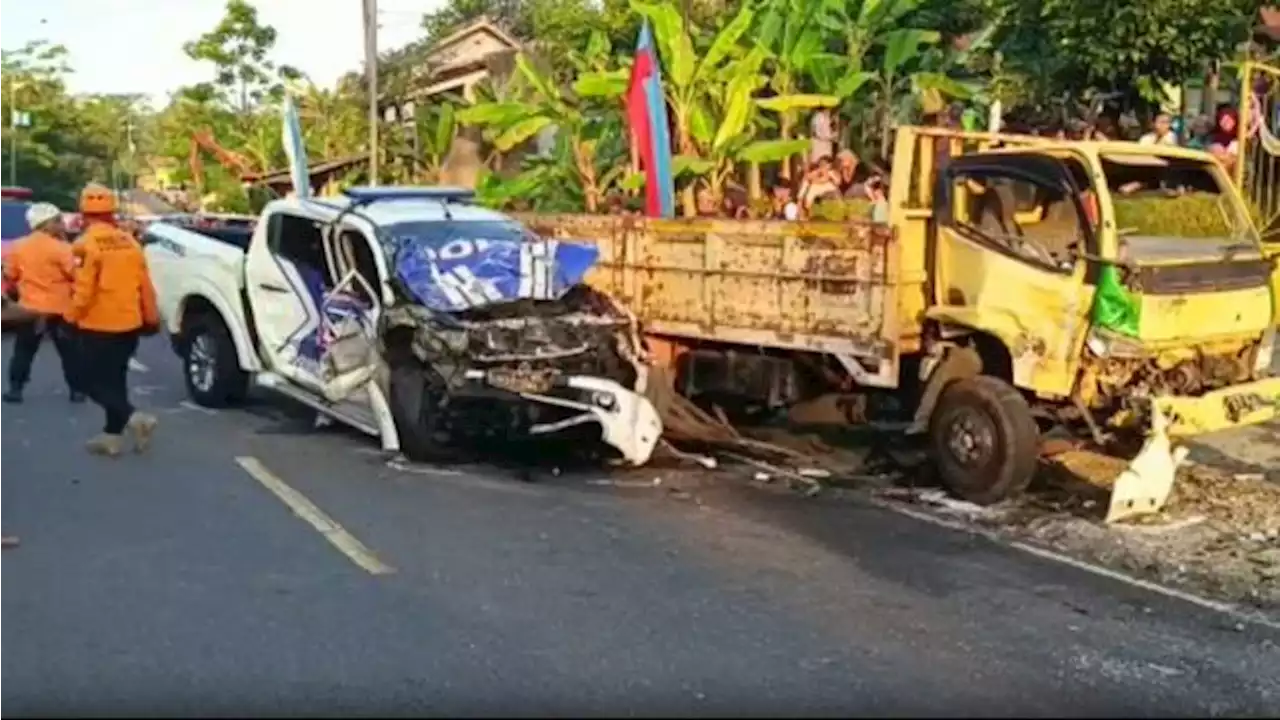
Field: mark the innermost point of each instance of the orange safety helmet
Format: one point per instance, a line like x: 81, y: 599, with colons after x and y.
x: 97, y: 200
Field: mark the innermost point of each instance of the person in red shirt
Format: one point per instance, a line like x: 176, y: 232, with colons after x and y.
x: 41, y: 270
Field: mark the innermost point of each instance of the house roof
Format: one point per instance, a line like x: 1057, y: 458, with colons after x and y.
x: 317, y: 168
x: 480, y: 24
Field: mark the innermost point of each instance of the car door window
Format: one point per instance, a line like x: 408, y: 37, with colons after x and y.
x: 1036, y: 221
x: 298, y: 240
x: 357, y: 254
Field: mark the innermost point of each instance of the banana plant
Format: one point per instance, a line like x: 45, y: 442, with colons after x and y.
x: 878, y: 55
x: 905, y: 72
x: 436, y: 127
x: 732, y: 141
x: 691, y: 81
x: 791, y: 33
x: 539, y: 104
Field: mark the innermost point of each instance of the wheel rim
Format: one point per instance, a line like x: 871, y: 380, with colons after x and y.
x: 971, y: 438
x: 201, y: 363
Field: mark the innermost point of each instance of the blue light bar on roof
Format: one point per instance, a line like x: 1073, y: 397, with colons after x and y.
x: 365, y: 195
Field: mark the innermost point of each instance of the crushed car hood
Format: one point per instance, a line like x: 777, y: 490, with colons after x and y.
x: 469, y: 274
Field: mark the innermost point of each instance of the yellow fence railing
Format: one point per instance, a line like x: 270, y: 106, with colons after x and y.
x: 1258, y: 171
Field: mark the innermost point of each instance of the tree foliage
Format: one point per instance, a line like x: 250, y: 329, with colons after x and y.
x: 1069, y: 47
x: 238, y: 46
x: 741, y: 78
x: 71, y: 140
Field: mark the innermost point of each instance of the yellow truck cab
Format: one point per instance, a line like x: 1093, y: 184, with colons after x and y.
x: 1017, y: 240
x: 973, y: 315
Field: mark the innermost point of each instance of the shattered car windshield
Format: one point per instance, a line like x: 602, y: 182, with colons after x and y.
x: 1175, y: 206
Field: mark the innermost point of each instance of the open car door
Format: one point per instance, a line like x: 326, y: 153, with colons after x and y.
x: 349, y: 308
x: 284, y: 280
x: 1012, y: 232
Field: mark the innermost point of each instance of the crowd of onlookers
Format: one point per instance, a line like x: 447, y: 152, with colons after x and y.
x: 834, y: 174
x: 1218, y: 135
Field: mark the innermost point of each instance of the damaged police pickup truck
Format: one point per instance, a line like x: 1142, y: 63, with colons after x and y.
x: 410, y: 314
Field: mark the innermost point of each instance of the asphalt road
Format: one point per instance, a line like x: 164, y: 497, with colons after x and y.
x: 178, y: 583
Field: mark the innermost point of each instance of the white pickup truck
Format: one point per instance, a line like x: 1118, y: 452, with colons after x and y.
x: 410, y: 314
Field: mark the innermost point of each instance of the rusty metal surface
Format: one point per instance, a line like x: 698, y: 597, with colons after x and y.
x: 1203, y: 277
x: 776, y: 284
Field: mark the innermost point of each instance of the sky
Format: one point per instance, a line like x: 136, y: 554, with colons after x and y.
x: 130, y: 46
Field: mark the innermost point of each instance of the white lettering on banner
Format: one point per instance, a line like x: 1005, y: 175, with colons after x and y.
x: 535, y: 270
x: 464, y: 289
x: 458, y: 249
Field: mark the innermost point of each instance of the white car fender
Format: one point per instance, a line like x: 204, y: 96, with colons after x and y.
x: 232, y: 317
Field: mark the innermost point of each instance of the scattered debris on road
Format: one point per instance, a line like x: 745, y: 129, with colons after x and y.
x: 1218, y: 535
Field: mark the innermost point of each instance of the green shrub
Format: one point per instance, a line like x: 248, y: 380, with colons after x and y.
x: 842, y: 210
x: 1194, y: 215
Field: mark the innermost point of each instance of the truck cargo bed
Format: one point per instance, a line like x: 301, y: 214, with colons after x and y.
x: 823, y: 287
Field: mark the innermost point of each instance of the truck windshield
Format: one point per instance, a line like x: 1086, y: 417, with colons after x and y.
x: 1173, y: 208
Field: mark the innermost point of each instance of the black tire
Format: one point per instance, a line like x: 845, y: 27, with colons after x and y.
x: 226, y: 384
x: 412, y: 408
x: 985, y: 440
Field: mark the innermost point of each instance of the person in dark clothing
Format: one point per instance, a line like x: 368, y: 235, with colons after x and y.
x: 27, y: 339
x: 113, y: 303
x: 41, y: 269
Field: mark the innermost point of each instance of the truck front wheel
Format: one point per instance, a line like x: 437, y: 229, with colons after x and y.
x: 985, y: 440
x: 210, y: 363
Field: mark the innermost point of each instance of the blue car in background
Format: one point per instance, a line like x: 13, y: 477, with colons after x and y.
x: 14, y: 202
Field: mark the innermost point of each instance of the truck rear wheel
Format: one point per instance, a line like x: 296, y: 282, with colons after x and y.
x: 412, y: 406
x: 210, y: 363
x: 985, y: 440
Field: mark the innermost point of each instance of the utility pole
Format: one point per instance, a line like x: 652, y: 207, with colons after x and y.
x: 371, y: 72
x: 15, y: 118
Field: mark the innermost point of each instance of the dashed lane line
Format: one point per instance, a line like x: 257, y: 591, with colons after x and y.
x: 345, y: 542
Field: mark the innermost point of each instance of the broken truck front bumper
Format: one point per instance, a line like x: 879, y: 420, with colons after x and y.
x: 1235, y: 406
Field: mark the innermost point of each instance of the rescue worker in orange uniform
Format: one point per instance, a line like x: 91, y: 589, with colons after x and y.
x: 113, y: 304
x: 41, y: 269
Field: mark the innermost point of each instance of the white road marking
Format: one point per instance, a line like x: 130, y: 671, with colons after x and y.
x: 421, y: 468
x: 345, y: 542
x: 188, y: 405
x: 1046, y: 554
x: 136, y: 366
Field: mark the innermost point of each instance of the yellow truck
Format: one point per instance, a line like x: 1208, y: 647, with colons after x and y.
x: 970, y: 317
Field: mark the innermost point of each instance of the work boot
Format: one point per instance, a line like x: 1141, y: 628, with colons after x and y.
x: 142, y: 425
x: 13, y: 394
x: 106, y: 444
x: 77, y: 397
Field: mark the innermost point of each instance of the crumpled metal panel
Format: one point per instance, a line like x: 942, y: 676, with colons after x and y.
x: 814, y: 286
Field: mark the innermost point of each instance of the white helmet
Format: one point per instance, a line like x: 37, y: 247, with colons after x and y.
x: 40, y: 213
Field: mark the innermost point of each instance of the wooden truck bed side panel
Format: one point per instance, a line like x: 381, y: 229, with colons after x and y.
x: 852, y: 289
x: 828, y: 287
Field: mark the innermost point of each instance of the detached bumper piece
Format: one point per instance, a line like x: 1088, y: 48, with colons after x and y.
x: 1144, y: 487
x: 628, y: 421
x: 1235, y: 406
